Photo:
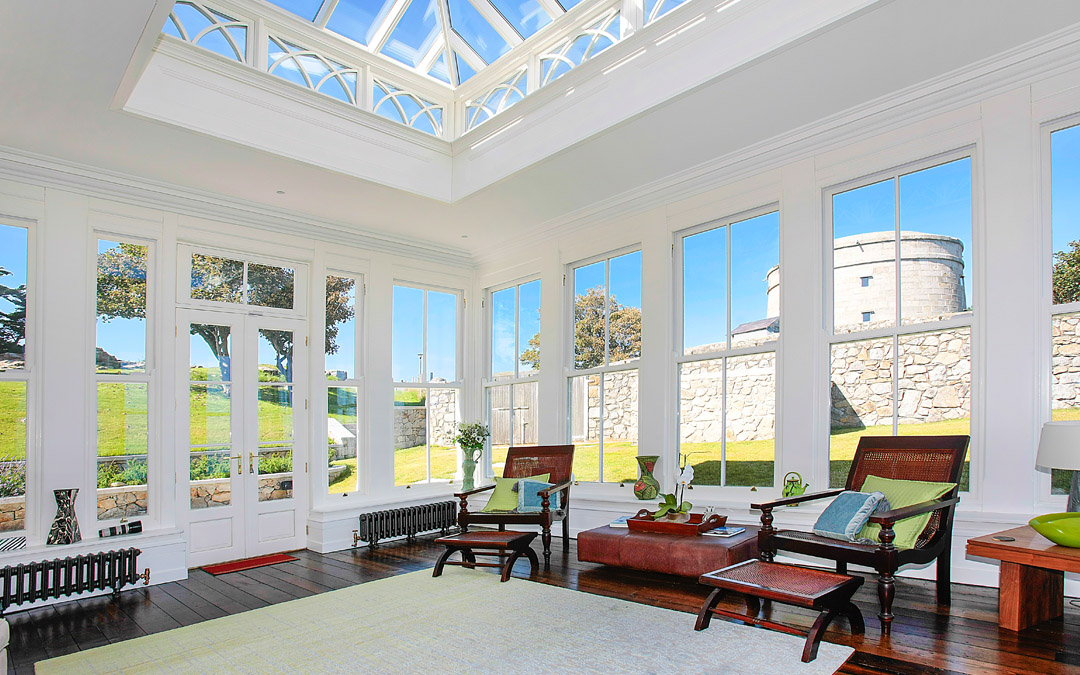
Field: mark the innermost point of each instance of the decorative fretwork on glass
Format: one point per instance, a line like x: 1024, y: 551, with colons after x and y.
x: 208, y: 29
x: 572, y: 52
x: 407, y: 108
x: 309, y: 69
x: 502, y: 96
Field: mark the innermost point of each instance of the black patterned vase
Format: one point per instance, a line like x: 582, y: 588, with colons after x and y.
x: 65, y: 527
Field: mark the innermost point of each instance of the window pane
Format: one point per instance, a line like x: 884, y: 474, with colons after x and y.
x: 306, y: 9
x: 755, y: 281
x: 122, y: 443
x: 442, y: 427
x: 410, y: 436
x: 705, y: 291
x: 342, y: 433
x: 585, y: 426
x: 408, y: 334
x: 1065, y: 212
x: 864, y: 245
x: 358, y: 19
x: 121, y: 307
x: 526, y: 408
x: 476, y: 31
x: 12, y: 456
x: 13, y: 257
x: 442, y: 337
x: 415, y: 32
x: 935, y: 242
x: 500, y: 417
x: 503, y: 315
x: 935, y: 386
x: 527, y: 16
x: 270, y: 286
x: 625, y: 308
x: 529, y: 328
x: 218, y: 279
x: 210, y: 359
x: 701, y: 425
x: 340, y: 341
x: 620, y: 426
x: 589, y: 299
x: 751, y: 420
x: 1065, y: 383
x: 210, y: 469
x: 861, y: 400
x: 275, y: 355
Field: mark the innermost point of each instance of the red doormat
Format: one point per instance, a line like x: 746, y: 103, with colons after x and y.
x: 248, y: 563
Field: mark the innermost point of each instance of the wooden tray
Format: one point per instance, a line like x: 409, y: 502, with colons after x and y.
x: 643, y: 522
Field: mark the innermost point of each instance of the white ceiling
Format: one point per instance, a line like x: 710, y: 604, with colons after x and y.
x: 64, y: 62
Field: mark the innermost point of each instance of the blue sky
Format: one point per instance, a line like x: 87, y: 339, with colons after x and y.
x: 755, y: 248
x: 1065, y: 174
x: 200, y: 354
x: 408, y: 331
x: 504, y: 311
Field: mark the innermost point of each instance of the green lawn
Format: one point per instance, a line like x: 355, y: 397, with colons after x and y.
x: 13, y: 420
x: 410, y: 464
x: 346, y: 482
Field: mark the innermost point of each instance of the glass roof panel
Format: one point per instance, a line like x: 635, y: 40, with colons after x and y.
x: 654, y: 9
x: 358, y: 19
x: 305, y: 8
x: 475, y: 30
x: 569, y: 4
x: 440, y: 69
x: 414, y: 33
x: 464, y: 71
x: 527, y: 16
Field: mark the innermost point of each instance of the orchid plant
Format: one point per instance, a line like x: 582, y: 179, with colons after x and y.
x: 674, y: 502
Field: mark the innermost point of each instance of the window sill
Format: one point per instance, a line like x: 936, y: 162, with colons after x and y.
x: 169, y: 535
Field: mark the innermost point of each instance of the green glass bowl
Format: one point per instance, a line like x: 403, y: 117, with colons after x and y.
x: 1061, y: 528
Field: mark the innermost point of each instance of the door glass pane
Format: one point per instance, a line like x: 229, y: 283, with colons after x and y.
x: 410, y: 436
x: 864, y: 258
x: 121, y: 307
x: 340, y: 341
x: 342, y: 432
x: 210, y: 416
x: 408, y: 334
x: 210, y: 353
x: 529, y: 328
x: 620, y: 428
x: 270, y: 286
x: 861, y: 400
x: 503, y: 329
x: 12, y: 456
x: 585, y: 426
x: 590, y: 291
x: 442, y: 337
x: 624, y: 303
x: 13, y: 257
x: 217, y: 279
x: 275, y: 467
x: 275, y: 472
x: 755, y: 281
x: 210, y: 469
x: 705, y: 291
x: 122, y: 443
x: 275, y: 355
x: 442, y: 427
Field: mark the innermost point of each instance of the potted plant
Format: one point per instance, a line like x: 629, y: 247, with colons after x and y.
x: 674, y: 507
x: 470, y: 438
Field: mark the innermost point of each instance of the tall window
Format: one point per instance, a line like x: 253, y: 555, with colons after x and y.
x: 427, y: 386
x: 123, y: 379
x: 1065, y: 283
x: 343, y: 382
x: 511, y: 390
x: 727, y: 370
x: 901, y: 344
x: 604, y: 383
x: 14, y: 376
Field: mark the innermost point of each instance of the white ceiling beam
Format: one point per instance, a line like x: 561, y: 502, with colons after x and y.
x: 325, y: 11
x: 466, y: 52
x: 379, y: 37
x: 451, y: 62
x: 497, y: 21
x: 432, y: 55
x: 552, y: 7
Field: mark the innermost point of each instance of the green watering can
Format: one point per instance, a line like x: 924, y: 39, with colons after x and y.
x: 793, y: 485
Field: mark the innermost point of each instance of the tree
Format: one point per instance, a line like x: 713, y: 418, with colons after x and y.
x: 12, y: 323
x: 624, y: 332
x: 1066, y: 277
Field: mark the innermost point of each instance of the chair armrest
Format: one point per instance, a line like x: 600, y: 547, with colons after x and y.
x: 894, y: 515
x: 796, y: 500
x: 547, y: 492
x: 472, y: 492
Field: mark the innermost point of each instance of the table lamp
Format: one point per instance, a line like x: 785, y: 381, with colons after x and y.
x: 1059, y: 448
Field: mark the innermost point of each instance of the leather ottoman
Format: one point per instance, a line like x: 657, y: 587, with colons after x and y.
x: 686, y: 556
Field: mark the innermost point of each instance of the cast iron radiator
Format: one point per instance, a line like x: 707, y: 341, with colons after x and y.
x: 47, y: 579
x: 407, y: 521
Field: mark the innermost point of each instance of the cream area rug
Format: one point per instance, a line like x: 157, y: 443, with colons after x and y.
x: 464, y: 622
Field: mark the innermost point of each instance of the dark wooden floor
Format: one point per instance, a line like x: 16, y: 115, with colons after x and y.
x: 926, y: 639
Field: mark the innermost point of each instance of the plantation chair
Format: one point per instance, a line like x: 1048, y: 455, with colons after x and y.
x: 522, y: 462
x: 938, y: 459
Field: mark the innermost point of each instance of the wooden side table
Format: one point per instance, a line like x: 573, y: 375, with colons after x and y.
x: 510, y: 545
x: 828, y: 592
x: 1031, y: 580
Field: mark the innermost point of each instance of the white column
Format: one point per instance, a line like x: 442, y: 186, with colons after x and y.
x: 656, y: 379
x: 379, y: 375
x: 553, y: 330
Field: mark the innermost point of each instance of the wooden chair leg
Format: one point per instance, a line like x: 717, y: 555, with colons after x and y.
x: 753, y: 606
x: 851, y: 611
x: 545, y: 537
x: 566, y: 534
x: 944, y: 570
x: 468, y: 557
x: 705, y: 615
x: 841, y: 567
x: 886, y: 593
x: 502, y: 527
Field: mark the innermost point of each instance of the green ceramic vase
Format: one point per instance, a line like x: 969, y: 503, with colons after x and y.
x: 468, y: 471
x: 647, y: 487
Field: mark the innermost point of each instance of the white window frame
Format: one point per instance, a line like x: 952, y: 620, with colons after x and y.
x: 147, y: 377
x: 966, y: 319
x: 28, y: 374
x: 489, y: 382
x: 572, y: 373
x: 458, y: 383
x: 729, y: 352
x: 357, y: 381
x: 183, y: 281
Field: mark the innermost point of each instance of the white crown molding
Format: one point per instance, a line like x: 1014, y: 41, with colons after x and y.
x: 23, y: 167
x: 1013, y: 68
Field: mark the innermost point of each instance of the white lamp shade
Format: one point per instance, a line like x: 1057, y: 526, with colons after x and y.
x: 1059, y: 446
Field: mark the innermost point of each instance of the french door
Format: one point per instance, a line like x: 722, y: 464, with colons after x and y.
x: 244, y: 430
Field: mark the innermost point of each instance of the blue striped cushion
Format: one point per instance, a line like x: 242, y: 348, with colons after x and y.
x: 846, y: 515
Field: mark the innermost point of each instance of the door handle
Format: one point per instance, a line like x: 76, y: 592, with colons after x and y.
x: 251, y: 462
x: 239, y: 463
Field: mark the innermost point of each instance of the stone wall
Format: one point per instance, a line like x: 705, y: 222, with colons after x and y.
x: 410, y: 422
x: 620, y: 406
x: 751, y: 399
x: 12, y: 514
x: 121, y: 502
x: 218, y: 491
x: 1065, y: 386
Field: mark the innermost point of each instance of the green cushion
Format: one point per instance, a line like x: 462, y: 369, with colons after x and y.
x: 901, y: 493
x: 503, y: 497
